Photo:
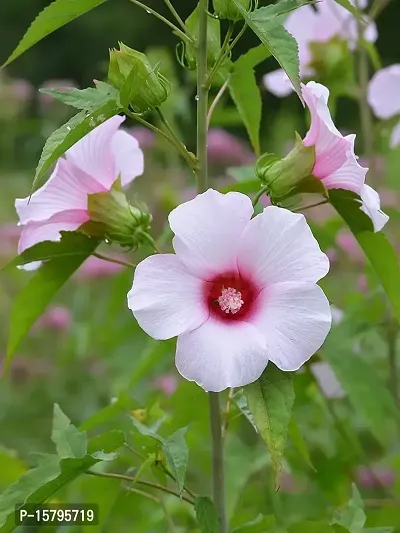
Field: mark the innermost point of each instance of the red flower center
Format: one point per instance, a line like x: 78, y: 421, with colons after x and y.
x: 230, y: 296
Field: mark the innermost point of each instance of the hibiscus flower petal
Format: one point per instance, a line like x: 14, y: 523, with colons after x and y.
x: 207, y: 231
x: 395, y: 137
x: 294, y: 319
x: 129, y: 161
x: 49, y: 230
x: 278, y: 83
x: 278, y: 245
x: 218, y: 355
x: 66, y: 189
x: 383, y: 92
x: 371, y: 205
x: 165, y: 298
x: 93, y: 153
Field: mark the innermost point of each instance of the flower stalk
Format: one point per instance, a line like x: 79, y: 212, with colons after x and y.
x: 202, y: 178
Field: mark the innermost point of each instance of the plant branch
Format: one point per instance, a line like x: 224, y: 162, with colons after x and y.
x: 177, y: 17
x: 156, y: 486
x: 377, y: 7
x: 392, y: 335
x: 216, y: 100
x: 304, y: 208
x: 259, y: 194
x: 113, y: 260
x: 227, y: 412
x: 151, y: 11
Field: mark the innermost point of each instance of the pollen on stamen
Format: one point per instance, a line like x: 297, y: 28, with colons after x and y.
x: 230, y: 300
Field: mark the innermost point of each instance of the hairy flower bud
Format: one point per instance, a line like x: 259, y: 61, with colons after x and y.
x: 112, y: 218
x: 226, y: 9
x: 290, y: 175
x: 213, y: 39
x: 140, y: 84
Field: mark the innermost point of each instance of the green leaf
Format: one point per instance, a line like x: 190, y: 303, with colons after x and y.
x: 52, y: 473
x: 252, y: 57
x: 352, y: 516
x: 37, y: 294
x: 267, y: 24
x: 311, y: 527
x: 85, y: 99
x: 261, y: 524
x: 50, y: 19
x: 69, y: 441
x: 70, y: 133
x: 71, y: 244
x: 270, y: 399
x: 299, y: 443
x: 376, y: 247
x: 177, y: 455
x: 241, y: 401
x: 379, y: 529
x: 358, y: 378
x: 206, y: 515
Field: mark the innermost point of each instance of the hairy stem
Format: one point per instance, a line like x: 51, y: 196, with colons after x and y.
x: 113, y: 260
x: 216, y: 100
x: 218, y: 460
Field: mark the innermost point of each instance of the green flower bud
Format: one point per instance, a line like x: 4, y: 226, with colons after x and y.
x: 113, y: 219
x: 213, y: 39
x: 140, y: 84
x: 290, y: 175
x: 226, y: 9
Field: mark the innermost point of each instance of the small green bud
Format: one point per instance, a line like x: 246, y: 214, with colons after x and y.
x: 140, y: 84
x: 213, y: 39
x: 290, y: 175
x: 113, y: 219
x: 226, y: 9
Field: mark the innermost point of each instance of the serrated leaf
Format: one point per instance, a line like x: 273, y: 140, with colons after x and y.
x: 70, y: 244
x: 69, y: 441
x: 352, y: 516
x: 52, y: 473
x: 70, y: 133
x: 376, y: 247
x: 241, y: 401
x: 50, y: 19
x: 270, y: 400
x: 37, y: 294
x: 261, y: 524
x: 358, y: 378
x: 267, y: 24
x: 177, y: 455
x: 206, y: 515
x: 84, y: 99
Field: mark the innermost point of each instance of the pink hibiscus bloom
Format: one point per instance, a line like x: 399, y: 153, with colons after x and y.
x: 238, y: 292
x: 336, y: 164
x: 308, y: 25
x: 91, y: 166
x: 384, y: 97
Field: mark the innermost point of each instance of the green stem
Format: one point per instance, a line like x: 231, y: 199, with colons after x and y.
x: 377, y: 7
x: 259, y: 194
x: 218, y: 460
x: 216, y: 100
x: 202, y: 99
x: 176, y: 15
x: 305, y: 207
x: 392, y: 334
x: 151, y: 11
x: 113, y: 260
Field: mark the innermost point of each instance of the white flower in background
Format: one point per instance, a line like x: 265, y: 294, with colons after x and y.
x: 238, y: 292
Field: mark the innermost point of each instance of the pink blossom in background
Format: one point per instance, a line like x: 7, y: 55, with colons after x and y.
x: 22, y: 90
x: 144, y: 136
x: 224, y: 148
x: 91, y: 166
x: 168, y: 383
x: 308, y: 25
x: 265, y: 200
x: 347, y: 242
x: 327, y: 380
x: 57, y: 318
x: 375, y: 477
x: 336, y: 164
x: 238, y: 292
x: 384, y: 97
x: 95, y: 268
x: 362, y: 283
x: 45, y: 100
x: 332, y: 255
x: 9, y: 237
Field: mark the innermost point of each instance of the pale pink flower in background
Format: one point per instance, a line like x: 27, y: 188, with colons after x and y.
x: 375, y: 477
x: 144, y: 136
x: 332, y: 255
x: 265, y: 200
x: 91, y: 166
x: 95, y: 268
x: 225, y: 148
x: 327, y: 380
x: 167, y: 383
x: 22, y: 90
x: 336, y: 164
x: 348, y: 243
x: 362, y: 283
x: 57, y: 318
x: 9, y: 237
x: 307, y: 25
x: 238, y: 292
x: 384, y: 97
